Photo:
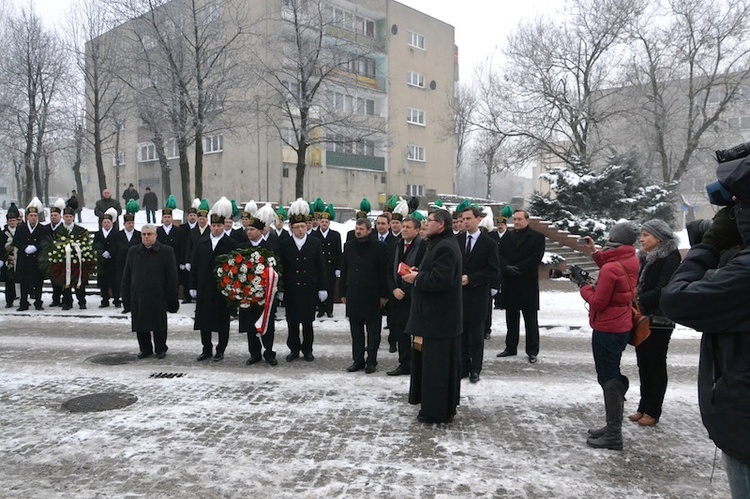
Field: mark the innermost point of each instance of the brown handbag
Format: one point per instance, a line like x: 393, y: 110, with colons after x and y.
x: 641, y: 323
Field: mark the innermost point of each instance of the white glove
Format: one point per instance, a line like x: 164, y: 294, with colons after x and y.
x: 493, y: 291
x: 322, y: 295
x: 1, y: 264
x: 193, y: 293
x: 30, y: 249
x: 338, y: 273
x: 106, y: 255
x: 182, y: 267
x: 280, y: 295
x: 188, y: 267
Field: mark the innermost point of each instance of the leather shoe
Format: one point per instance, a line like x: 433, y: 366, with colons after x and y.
x: 392, y: 349
x: 487, y: 336
x: 320, y: 314
x: 218, y: 357
x: 82, y: 306
x: 532, y: 359
x: 309, y: 357
x: 292, y: 356
x: 22, y: 308
x: 647, y: 420
x: 329, y: 315
x: 635, y: 416
x: 369, y: 369
x: 38, y: 307
x: 55, y: 304
x: 161, y: 355
x: 143, y: 355
x: 430, y: 420
x: 253, y: 360
x: 474, y: 378
x: 66, y: 307
x: 355, y: 367
x: 204, y: 356
x: 506, y: 353
x: 272, y: 361
x: 399, y: 371
x: 104, y: 305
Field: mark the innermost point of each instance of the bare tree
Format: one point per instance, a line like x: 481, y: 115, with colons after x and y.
x: 315, y: 66
x: 461, y: 123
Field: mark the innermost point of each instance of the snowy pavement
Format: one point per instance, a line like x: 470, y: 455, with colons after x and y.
x: 313, y: 430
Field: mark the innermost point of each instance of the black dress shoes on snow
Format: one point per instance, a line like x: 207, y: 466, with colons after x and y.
x: 370, y: 369
x: 329, y: 315
x: 55, y: 304
x: 253, y: 360
x: 38, y: 307
x: 392, y: 349
x: 399, y: 371
x: 22, y: 308
x: 532, y: 359
x: 104, y: 304
x: 309, y: 357
x: 272, y: 361
x: 82, y: 306
x: 66, y: 306
x: 474, y: 378
x: 430, y: 420
x: 161, y: 355
x: 506, y: 353
x: 292, y: 356
x: 219, y: 356
x: 355, y: 367
x: 143, y: 355
x: 320, y: 314
x: 204, y: 356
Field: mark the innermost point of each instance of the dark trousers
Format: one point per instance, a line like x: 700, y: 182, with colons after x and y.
x: 248, y: 318
x: 652, y: 369
x: 208, y: 346
x: 435, y: 379
x: 31, y: 289
x: 160, y: 342
x: 67, y: 296
x: 531, y: 323
x: 57, y: 290
x: 10, y: 292
x: 403, y: 343
x: 183, y: 279
x: 488, y: 320
x: 607, y: 349
x: 472, y: 347
x: 150, y: 216
x: 357, y: 327
x: 307, y: 337
x: 107, y: 284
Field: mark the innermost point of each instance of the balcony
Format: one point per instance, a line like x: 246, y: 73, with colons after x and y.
x: 356, y: 161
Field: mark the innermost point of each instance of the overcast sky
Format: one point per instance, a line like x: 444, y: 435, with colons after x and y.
x: 481, y: 25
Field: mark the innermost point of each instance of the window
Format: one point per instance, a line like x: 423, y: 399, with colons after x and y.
x: 741, y: 123
x: 146, y: 152
x: 415, y: 153
x: 348, y: 20
x: 415, y: 40
x: 714, y: 95
x: 415, y: 79
x: 213, y: 143
x: 285, y: 172
x: 172, y: 150
x: 415, y: 116
x: 293, y: 90
x: 120, y: 160
x: 414, y: 190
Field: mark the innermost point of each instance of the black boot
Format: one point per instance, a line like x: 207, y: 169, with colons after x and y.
x: 598, y: 432
x: 614, y: 390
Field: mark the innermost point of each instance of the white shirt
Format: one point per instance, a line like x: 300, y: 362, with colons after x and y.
x: 215, y: 241
x: 105, y: 233
x: 167, y: 228
x: 129, y: 235
x: 324, y: 234
x: 300, y: 242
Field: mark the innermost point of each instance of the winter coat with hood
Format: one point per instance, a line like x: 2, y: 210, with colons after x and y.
x: 657, y: 268
x: 611, y: 299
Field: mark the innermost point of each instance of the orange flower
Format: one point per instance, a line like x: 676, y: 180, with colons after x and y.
x: 238, y: 258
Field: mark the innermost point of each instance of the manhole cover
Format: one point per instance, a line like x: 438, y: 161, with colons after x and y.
x: 167, y: 375
x: 113, y: 359
x: 99, y: 402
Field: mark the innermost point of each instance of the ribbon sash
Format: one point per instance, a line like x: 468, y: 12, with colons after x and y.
x: 69, y: 264
x: 270, y: 288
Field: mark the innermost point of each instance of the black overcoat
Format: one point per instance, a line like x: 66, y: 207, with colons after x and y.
x: 123, y: 246
x: 303, y: 275
x: 27, y: 266
x: 175, y: 239
x: 363, y: 280
x: 523, y: 249
x: 436, y: 294
x: 107, y: 270
x: 398, y: 310
x: 149, y: 282
x: 482, y: 266
x: 330, y: 246
x: 246, y: 317
x: 211, y: 310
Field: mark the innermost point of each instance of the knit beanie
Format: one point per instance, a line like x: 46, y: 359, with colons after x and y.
x: 624, y: 233
x: 659, y: 229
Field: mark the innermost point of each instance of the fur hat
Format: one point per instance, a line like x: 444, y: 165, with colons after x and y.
x: 659, y: 229
x: 624, y: 233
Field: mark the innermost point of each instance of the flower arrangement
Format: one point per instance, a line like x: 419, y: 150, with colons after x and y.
x: 69, y: 260
x: 245, y: 276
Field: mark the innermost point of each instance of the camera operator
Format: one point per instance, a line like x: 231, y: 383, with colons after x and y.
x: 713, y: 299
x: 611, y: 319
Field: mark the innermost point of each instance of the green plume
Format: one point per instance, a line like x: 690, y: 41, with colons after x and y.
x: 331, y: 212
x: 171, y: 202
x: 132, y: 206
x: 318, y: 206
x: 417, y: 216
x: 465, y: 204
x: 364, y: 205
x: 393, y: 202
x: 507, y: 212
x: 281, y: 211
x: 204, y: 206
x: 235, y: 210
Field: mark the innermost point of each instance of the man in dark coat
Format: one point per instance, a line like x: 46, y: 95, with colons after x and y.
x: 435, y: 321
x: 7, y: 273
x: 130, y: 193
x: 171, y: 235
x: 31, y: 237
x: 365, y: 293
x: 151, y: 204
x: 249, y: 316
x: 126, y: 238
x: 149, y: 290
x: 105, y: 203
x: 479, y: 280
x: 410, y: 250
x: 105, y: 240
x: 183, y: 276
x: 211, y: 310
x: 521, y: 252
x: 71, y: 229
x: 330, y: 246
x: 303, y: 276
x: 55, y: 221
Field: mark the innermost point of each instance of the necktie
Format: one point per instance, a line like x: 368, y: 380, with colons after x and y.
x: 468, y: 245
x: 406, y: 247
x: 382, y: 239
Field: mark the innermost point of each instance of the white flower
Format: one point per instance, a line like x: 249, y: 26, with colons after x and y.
x: 260, y: 268
x: 243, y: 278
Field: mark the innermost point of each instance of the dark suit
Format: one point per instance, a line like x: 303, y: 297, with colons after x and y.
x: 57, y: 287
x: 482, y: 266
x: 521, y: 252
x: 79, y: 232
x: 398, y: 310
x: 211, y: 310
x: 183, y: 274
x: 123, y: 246
x: 249, y: 316
x: 107, y: 271
x: 363, y: 284
x: 28, y: 273
x: 330, y: 246
x: 174, y: 240
x: 303, y: 275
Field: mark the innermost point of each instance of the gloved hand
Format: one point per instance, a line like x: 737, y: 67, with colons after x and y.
x: 512, y: 270
x: 1, y: 264
x: 280, y: 295
x: 193, y: 293
x: 182, y: 267
x: 723, y: 233
x: 338, y: 273
x: 578, y: 275
x: 322, y: 295
x: 188, y: 267
x: 106, y: 255
x: 30, y: 249
x: 493, y: 291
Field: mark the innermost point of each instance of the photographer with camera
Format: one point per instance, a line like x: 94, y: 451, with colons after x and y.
x: 713, y: 299
x: 611, y: 319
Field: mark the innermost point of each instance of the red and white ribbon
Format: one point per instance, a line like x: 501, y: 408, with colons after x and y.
x: 271, y: 287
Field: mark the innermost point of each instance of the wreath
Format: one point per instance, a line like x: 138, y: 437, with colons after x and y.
x: 247, y: 276
x: 69, y: 260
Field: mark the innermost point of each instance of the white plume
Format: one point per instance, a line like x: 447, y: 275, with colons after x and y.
x: 266, y: 215
x: 222, y: 207
x: 299, y: 207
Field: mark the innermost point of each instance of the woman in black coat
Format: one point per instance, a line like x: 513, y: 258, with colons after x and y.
x: 659, y: 258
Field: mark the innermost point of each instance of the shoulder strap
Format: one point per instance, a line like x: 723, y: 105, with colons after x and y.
x: 632, y: 291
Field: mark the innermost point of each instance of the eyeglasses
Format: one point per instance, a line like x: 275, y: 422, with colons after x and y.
x: 149, y: 234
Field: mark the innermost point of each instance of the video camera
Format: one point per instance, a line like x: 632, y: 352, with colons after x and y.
x: 732, y: 174
x: 557, y: 273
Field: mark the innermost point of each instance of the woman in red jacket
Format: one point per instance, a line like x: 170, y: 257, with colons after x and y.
x: 610, y: 317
